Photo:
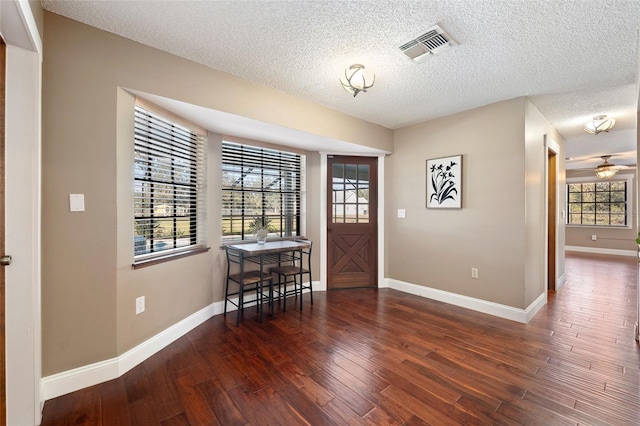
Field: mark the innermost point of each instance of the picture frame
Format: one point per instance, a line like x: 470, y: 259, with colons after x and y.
x: 444, y: 182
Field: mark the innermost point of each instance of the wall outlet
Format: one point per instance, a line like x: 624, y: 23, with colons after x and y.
x: 139, y: 305
x: 594, y: 237
x: 474, y: 272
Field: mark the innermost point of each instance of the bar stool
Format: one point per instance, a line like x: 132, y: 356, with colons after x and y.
x: 249, y: 281
x: 289, y: 274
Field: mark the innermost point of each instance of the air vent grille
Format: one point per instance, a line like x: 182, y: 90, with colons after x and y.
x: 431, y: 43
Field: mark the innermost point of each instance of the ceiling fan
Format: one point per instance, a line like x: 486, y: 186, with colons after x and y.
x: 607, y: 170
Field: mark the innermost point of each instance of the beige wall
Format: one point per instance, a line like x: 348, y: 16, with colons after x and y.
x: 536, y: 127
x: 607, y: 238
x: 313, y: 186
x: 89, y: 288
x: 499, y: 230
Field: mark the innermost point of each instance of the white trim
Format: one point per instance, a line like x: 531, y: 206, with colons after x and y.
x: 380, y: 236
x: 318, y: 286
x: 598, y: 250
x: 22, y: 237
x: 138, y: 354
x: 93, y: 374
x: 99, y: 372
x: 29, y: 22
x: 18, y: 26
x: 79, y: 378
x: 324, y: 239
x: 562, y: 279
x: 484, y: 306
x: 535, y: 306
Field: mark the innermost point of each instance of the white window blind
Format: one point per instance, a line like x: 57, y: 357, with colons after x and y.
x: 261, y: 188
x: 169, y: 185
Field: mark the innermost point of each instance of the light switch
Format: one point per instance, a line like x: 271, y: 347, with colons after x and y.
x: 402, y: 213
x: 76, y: 202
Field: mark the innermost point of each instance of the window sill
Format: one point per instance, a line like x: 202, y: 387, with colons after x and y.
x: 621, y: 227
x: 143, y: 263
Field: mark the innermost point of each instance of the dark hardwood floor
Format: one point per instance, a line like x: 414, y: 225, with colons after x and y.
x: 383, y: 357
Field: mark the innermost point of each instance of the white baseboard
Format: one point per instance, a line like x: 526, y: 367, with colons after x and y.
x: 93, y: 374
x: 99, y: 372
x: 491, y: 308
x: 562, y: 279
x: 318, y: 286
x: 597, y: 250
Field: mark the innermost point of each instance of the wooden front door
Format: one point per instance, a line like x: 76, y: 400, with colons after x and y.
x: 352, y: 222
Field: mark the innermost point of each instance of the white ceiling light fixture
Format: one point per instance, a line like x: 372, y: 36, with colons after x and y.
x: 599, y: 124
x: 355, y: 80
x: 606, y: 170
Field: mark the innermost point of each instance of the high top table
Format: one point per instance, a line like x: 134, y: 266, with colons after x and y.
x: 269, y: 252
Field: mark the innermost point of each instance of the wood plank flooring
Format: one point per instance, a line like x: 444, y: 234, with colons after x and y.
x: 382, y: 357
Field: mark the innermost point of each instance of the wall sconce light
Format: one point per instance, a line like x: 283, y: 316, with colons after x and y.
x: 355, y: 81
x: 599, y: 124
x: 606, y: 170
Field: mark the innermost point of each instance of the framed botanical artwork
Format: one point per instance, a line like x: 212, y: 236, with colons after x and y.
x: 444, y: 183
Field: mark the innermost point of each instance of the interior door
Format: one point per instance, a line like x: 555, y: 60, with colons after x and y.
x: 551, y: 220
x: 352, y: 222
x: 3, y: 376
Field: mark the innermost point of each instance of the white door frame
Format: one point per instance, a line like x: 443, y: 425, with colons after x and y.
x: 22, y: 211
x: 550, y: 145
x: 324, y: 218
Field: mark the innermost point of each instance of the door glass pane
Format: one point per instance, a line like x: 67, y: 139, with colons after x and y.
x: 350, y: 197
x: 363, y: 174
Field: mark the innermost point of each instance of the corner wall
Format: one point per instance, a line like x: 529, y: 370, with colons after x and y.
x: 89, y: 289
x: 501, y: 227
x: 536, y: 129
x: 437, y: 248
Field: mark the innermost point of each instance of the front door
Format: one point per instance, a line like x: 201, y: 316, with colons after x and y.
x: 352, y: 222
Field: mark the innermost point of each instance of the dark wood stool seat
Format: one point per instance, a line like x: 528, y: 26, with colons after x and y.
x: 248, y: 282
x: 289, y: 274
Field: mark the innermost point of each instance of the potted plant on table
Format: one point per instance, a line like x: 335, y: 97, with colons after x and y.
x: 260, y: 227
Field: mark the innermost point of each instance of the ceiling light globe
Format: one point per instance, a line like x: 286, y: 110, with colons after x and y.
x: 355, y: 81
x: 599, y: 124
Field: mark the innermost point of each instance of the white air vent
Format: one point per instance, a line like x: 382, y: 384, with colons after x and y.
x: 431, y: 43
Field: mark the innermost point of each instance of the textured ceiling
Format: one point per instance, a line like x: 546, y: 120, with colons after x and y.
x: 575, y: 59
